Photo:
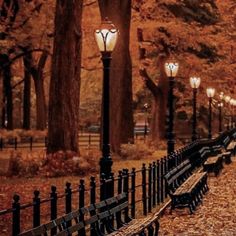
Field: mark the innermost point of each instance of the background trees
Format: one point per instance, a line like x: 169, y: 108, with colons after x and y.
x: 199, y: 33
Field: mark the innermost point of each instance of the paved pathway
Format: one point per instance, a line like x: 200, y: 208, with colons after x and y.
x: 215, y: 217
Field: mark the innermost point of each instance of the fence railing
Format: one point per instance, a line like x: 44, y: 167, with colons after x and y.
x: 88, y: 140
x: 145, y: 190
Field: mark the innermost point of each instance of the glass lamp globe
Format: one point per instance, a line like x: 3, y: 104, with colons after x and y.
x: 106, y: 37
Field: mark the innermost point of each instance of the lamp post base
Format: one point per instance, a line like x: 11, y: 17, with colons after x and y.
x: 170, y: 146
x: 105, y: 166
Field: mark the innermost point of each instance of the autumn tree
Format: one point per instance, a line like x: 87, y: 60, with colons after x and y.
x: 121, y: 113
x: 191, y: 31
x: 63, y: 121
x: 25, y: 29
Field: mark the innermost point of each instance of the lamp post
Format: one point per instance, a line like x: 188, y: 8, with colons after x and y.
x: 106, y: 38
x: 145, y: 121
x: 227, y: 99
x: 231, y: 101
x: 195, y: 83
x: 171, y: 69
x: 220, y: 107
x: 210, y: 94
x: 234, y: 104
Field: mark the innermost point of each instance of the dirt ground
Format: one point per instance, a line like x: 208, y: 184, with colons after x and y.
x: 216, y: 216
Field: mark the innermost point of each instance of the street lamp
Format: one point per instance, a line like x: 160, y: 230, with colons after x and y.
x: 195, y: 83
x: 210, y: 94
x: 227, y: 99
x: 232, y: 103
x: 220, y: 107
x: 106, y: 38
x: 145, y: 121
x: 171, y: 69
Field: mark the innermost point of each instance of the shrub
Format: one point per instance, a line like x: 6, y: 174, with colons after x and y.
x: 135, y: 151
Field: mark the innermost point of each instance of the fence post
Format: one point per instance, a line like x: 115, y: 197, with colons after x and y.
x: 165, y: 172
x: 158, y: 183
x: 16, y: 215
x: 15, y: 143
x: 53, y: 196
x: 150, y: 188
x: 81, y: 204
x: 119, y: 190
x: 133, y: 176
x: 103, y: 187
x: 144, y: 197
x: 112, y: 185
x: 92, y: 201
x: 36, y: 209
x: 92, y: 190
x: 162, y: 174
x: 126, y: 190
x: 31, y: 143
x: 154, y: 184
x: 120, y: 177
x: 68, y: 194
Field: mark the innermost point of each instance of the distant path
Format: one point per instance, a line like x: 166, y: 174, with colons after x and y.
x: 215, y: 217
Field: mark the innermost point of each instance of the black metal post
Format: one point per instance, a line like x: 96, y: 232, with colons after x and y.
x: 194, y: 132
x: 53, y: 196
x: 170, y: 133
x: 144, y: 190
x: 106, y: 161
x: 210, y: 118
x: 36, y: 209
x: 16, y: 215
x: 145, y: 122
x: 133, y: 181
x: 220, y: 118
x: 68, y: 200
x: 81, y: 204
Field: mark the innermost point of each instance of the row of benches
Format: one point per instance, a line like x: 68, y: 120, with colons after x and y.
x: 106, y: 217
x: 184, y: 186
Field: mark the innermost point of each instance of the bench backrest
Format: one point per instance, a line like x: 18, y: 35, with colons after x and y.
x: 177, y: 175
x: 93, y: 217
x: 216, y: 149
x: 226, y: 141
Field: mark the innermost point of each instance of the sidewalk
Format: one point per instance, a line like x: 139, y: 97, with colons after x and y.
x: 216, y: 216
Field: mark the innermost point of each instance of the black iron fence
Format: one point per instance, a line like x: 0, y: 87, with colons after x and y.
x: 145, y: 190
x: 87, y: 140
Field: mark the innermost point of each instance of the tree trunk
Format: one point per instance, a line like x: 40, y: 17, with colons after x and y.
x: 63, y: 122
x: 8, y: 119
x: 40, y: 104
x: 121, y: 112
x: 37, y: 73
x: 159, y: 106
x: 27, y: 88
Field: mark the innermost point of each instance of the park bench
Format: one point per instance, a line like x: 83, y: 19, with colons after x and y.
x: 213, y: 164
x: 227, y: 157
x: 108, y: 217
x: 204, y: 153
x: 184, y: 188
x: 231, y: 148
